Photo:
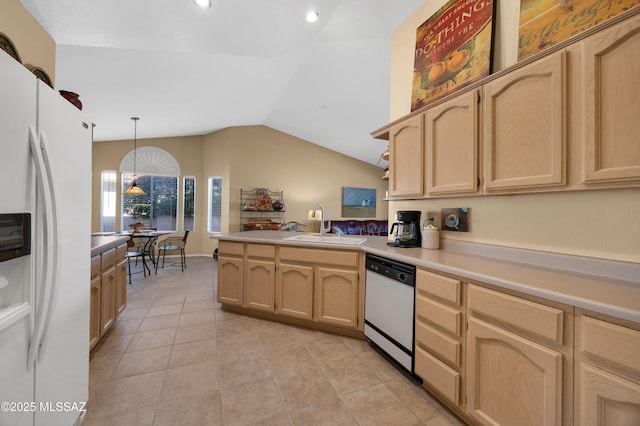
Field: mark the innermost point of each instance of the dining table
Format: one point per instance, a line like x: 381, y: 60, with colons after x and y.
x: 149, y: 246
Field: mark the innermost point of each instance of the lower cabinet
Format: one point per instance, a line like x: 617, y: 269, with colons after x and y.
x: 607, y: 390
x: 107, y: 299
x: 514, y: 380
x: 294, y: 291
x: 95, y: 327
x: 108, y: 291
x: 439, y: 335
x: 230, y: 272
x: 121, y: 279
x: 336, y: 296
x: 260, y: 277
x: 519, y: 360
x: 495, y: 357
x: 317, y: 286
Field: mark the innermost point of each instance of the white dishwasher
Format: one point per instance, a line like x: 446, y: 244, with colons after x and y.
x: 389, y: 308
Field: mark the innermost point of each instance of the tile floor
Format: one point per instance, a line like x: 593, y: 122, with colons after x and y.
x: 175, y: 358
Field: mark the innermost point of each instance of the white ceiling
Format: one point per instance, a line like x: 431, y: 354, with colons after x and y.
x: 185, y: 71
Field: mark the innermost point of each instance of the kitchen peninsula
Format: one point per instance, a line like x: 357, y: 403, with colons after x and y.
x: 607, y: 287
x: 569, y: 326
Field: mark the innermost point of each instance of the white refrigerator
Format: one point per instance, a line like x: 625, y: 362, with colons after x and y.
x: 45, y: 170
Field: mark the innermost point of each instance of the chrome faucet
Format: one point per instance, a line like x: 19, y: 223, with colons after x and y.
x: 317, y: 207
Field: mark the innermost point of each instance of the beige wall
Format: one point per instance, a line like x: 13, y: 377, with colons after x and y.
x: 32, y: 42
x: 258, y: 156
x: 249, y: 157
x: 581, y: 223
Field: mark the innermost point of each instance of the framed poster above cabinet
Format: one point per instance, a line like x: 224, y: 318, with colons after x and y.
x: 453, y: 49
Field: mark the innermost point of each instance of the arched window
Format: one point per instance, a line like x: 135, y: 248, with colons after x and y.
x: 157, y: 173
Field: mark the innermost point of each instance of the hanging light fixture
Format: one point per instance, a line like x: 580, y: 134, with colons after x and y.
x: 134, y: 189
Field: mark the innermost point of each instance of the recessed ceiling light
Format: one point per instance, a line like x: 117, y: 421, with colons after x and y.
x: 312, y: 16
x: 203, y: 4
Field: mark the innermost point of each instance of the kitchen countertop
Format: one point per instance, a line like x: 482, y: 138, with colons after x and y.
x: 101, y: 243
x: 604, y: 286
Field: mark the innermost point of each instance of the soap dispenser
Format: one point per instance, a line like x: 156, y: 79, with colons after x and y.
x: 430, y: 235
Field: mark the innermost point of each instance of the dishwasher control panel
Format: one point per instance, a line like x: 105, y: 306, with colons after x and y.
x: 397, y: 271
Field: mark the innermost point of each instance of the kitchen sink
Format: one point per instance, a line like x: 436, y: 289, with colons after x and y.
x: 328, y: 239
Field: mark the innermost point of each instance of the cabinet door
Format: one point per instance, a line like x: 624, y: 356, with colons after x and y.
x: 611, y: 64
x: 121, y: 286
x: 95, y: 325
x: 260, y: 285
x: 336, y: 296
x: 451, y: 162
x: 230, y: 279
x: 607, y: 399
x: 406, y: 158
x: 108, y: 299
x: 524, y: 131
x: 294, y: 291
x: 511, y: 380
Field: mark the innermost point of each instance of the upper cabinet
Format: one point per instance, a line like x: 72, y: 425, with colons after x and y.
x: 611, y: 104
x: 406, y: 158
x: 524, y: 136
x: 565, y: 120
x: 452, y: 141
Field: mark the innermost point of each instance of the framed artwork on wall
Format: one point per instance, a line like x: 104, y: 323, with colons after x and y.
x: 454, y: 48
x: 544, y: 23
x: 358, y: 202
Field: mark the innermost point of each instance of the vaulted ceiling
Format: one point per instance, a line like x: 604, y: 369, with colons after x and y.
x: 185, y: 71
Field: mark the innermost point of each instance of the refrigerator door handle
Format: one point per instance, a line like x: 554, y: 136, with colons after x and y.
x: 42, y: 306
x: 54, y: 225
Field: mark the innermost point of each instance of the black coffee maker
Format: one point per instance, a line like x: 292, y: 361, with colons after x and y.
x: 407, y: 229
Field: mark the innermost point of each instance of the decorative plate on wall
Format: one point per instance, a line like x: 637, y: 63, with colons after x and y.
x: 40, y: 73
x: 7, y: 45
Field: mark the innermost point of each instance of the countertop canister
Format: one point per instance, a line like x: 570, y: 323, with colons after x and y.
x: 430, y: 237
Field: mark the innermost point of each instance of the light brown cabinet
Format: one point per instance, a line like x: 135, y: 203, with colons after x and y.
x: 524, y: 139
x: 260, y: 277
x: 121, y: 279
x: 108, y: 291
x: 294, y: 291
x: 95, y: 327
x: 611, y: 105
x: 108, y: 294
x: 452, y: 139
x: 329, y: 279
x: 230, y: 272
x: 406, y: 151
x: 315, y: 287
x: 439, y: 335
x: 336, y: 296
x: 607, y: 371
x: 519, y: 360
x: 566, y: 121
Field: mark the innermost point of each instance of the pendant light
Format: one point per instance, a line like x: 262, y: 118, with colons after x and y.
x: 134, y: 189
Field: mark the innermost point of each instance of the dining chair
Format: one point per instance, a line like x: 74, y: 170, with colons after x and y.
x: 136, y: 253
x: 173, y: 244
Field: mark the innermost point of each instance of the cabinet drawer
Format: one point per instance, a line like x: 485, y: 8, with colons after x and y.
x: 613, y: 342
x: 443, y: 316
x: 121, y: 251
x: 108, y: 258
x: 231, y: 248
x: 436, y: 342
x: 95, y: 265
x: 541, y: 320
x: 437, y: 375
x: 445, y: 288
x: 332, y: 257
x: 261, y: 250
